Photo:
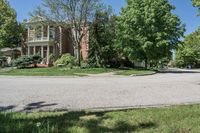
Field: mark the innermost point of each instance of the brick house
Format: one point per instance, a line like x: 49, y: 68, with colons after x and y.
x: 48, y: 41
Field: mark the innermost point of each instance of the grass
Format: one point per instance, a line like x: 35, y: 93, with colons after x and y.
x: 175, y: 119
x: 56, y: 71
x: 71, y: 72
x: 135, y: 72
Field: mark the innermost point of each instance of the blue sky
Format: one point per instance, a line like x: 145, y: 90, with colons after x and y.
x: 184, y: 10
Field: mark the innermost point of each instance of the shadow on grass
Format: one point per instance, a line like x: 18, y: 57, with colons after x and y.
x: 66, y: 123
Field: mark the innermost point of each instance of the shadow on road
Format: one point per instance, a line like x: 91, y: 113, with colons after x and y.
x: 37, y: 105
x: 28, y: 107
x: 6, y: 108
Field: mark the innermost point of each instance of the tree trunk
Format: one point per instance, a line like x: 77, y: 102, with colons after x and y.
x: 79, y: 55
x: 146, y: 63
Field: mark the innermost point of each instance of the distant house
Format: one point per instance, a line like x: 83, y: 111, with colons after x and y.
x: 47, y: 40
x: 11, y: 53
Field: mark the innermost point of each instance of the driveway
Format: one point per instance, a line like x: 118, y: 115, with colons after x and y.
x: 103, y: 92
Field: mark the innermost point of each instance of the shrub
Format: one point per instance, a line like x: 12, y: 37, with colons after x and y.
x: 3, y: 61
x: 27, y: 61
x: 66, y: 60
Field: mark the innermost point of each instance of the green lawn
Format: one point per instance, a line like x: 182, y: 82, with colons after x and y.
x: 135, y: 72
x: 70, y: 72
x: 176, y: 119
x: 56, y: 71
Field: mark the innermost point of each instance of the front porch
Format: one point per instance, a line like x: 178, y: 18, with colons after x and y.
x: 46, y: 51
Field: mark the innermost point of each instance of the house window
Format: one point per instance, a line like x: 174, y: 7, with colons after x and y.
x: 45, y: 32
x: 38, y: 33
x: 31, y: 33
x: 38, y: 50
x: 51, y: 49
x: 31, y: 51
x: 51, y: 32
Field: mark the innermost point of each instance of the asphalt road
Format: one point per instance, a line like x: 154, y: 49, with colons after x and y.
x: 103, y: 92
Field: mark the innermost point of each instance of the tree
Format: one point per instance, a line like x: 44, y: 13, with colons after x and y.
x: 75, y: 14
x: 188, y: 52
x: 10, y: 30
x: 196, y: 3
x: 148, y: 31
x: 102, y: 36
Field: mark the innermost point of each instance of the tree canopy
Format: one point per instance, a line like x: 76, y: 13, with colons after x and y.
x: 101, y: 40
x: 196, y: 3
x: 189, y: 51
x: 147, y: 30
x: 10, y: 30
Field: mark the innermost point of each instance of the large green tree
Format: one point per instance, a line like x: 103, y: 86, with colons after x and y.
x: 148, y: 31
x: 189, y: 51
x: 101, y: 40
x: 10, y: 30
x: 196, y: 3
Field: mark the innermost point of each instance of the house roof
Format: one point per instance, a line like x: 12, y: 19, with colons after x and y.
x: 36, y: 19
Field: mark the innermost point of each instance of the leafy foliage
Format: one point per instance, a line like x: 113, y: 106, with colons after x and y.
x: 189, y: 52
x: 3, y: 61
x: 148, y: 31
x: 26, y: 61
x: 196, y: 3
x: 10, y: 30
x: 102, y: 36
x: 66, y: 60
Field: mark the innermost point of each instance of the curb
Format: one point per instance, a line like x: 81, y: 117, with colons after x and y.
x: 148, y: 74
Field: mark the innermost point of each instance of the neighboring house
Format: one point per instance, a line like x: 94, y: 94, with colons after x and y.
x: 11, y: 53
x: 50, y: 41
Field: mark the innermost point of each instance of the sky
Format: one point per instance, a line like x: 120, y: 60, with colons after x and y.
x: 184, y: 10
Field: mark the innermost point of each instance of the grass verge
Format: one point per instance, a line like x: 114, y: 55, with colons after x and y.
x: 55, y: 71
x: 175, y: 119
x: 135, y: 72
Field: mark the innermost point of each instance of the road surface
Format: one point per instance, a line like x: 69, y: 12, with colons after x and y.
x: 103, y: 92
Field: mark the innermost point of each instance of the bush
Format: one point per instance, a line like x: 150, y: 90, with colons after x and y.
x: 27, y: 61
x: 66, y: 60
x: 3, y: 61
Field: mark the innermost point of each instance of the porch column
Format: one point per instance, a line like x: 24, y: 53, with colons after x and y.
x: 28, y: 50
x: 60, y: 41
x: 48, y: 54
x: 34, y: 51
x: 48, y: 32
x: 42, y: 51
x: 42, y: 32
x: 28, y: 33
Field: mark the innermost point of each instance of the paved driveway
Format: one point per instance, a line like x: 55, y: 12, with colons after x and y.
x: 50, y: 93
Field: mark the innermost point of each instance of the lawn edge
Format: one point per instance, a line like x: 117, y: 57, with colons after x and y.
x: 145, y: 74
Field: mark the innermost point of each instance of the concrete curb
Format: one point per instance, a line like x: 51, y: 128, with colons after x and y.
x: 148, y: 74
x: 105, y: 109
